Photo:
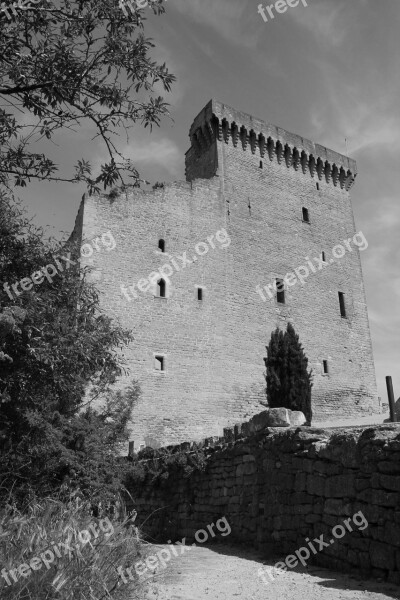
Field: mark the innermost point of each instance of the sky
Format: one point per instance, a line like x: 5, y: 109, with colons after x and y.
x: 328, y: 71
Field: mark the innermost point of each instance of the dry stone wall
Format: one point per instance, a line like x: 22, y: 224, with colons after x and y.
x: 279, y: 487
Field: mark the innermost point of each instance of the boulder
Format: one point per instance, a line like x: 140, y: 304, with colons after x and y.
x: 297, y: 418
x: 278, y: 417
x: 259, y: 421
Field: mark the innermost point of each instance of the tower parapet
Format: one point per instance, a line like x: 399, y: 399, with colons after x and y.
x: 219, y: 123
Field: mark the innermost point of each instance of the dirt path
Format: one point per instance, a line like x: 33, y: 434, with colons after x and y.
x: 223, y: 572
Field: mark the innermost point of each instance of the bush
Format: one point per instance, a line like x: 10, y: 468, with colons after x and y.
x: 88, y: 572
x: 59, y: 354
x: 156, y: 466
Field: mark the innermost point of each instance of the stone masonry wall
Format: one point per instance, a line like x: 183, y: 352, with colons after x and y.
x: 214, y: 349
x: 277, y: 487
x: 271, y: 239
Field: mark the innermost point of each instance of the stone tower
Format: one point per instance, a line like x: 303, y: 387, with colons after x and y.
x: 197, y: 275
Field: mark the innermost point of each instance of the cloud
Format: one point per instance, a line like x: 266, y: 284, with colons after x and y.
x: 328, y: 22
x: 363, y: 114
x: 163, y: 152
x: 224, y: 16
x: 163, y: 54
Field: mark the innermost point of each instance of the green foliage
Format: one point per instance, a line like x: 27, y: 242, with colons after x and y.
x: 288, y: 381
x: 55, y: 345
x: 70, y: 63
x: 65, y: 65
x: 90, y: 571
x: 155, y: 466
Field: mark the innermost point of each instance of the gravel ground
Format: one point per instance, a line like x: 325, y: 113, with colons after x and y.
x: 224, y: 572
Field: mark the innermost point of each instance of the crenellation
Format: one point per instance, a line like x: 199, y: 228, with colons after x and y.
x: 251, y: 180
x: 254, y: 132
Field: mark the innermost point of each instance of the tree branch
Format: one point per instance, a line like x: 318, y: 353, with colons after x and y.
x: 22, y: 89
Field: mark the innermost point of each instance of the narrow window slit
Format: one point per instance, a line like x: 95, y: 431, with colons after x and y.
x: 342, y: 305
x: 280, y: 291
x: 161, y: 288
x: 159, y: 363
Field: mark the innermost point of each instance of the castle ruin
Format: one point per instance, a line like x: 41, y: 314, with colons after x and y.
x: 257, y: 203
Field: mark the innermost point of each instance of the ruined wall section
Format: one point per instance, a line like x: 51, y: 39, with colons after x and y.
x: 279, y: 488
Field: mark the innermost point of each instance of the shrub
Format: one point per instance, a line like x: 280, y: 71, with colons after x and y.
x: 59, y: 354
x: 156, y: 466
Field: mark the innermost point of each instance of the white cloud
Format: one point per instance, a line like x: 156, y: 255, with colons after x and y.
x: 225, y: 16
x: 364, y: 115
x: 328, y: 22
x: 163, y: 152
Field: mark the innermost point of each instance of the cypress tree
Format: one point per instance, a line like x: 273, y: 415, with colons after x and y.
x: 288, y: 381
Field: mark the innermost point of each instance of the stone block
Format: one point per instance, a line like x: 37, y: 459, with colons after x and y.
x: 394, y: 577
x: 392, y: 533
x: 382, y: 556
x: 379, y: 497
x: 229, y: 434
x: 327, y: 468
x: 312, y: 518
x: 316, y: 485
x: 248, y: 458
x: 337, y: 508
x: 391, y: 483
x: 300, y: 482
x: 260, y: 421
x: 389, y: 467
x: 297, y: 418
x: 247, y: 429
x: 340, y: 486
x: 278, y: 417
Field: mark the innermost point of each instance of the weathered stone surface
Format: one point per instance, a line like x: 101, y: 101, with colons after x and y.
x: 296, y: 418
x: 214, y: 374
x: 284, y: 485
x: 390, y: 483
x: 382, y: 556
x: 278, y: 417
x: 340, y: 486
x: 260, y: 421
